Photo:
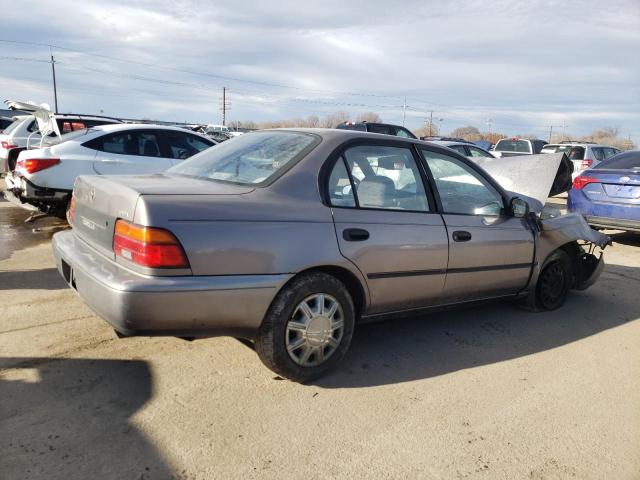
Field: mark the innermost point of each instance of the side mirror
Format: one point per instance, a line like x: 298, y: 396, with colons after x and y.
x: 519, y: 207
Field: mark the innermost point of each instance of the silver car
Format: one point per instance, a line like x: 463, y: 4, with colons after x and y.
x: 290, y: 238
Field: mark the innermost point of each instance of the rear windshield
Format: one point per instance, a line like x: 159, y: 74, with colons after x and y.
x: 353, y: 126
x: 521, y: 146
x: 252, y: 158
x: 622, y: 161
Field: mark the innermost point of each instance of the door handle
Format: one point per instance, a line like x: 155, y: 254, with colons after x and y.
x: 355, y: 234
x: 461, y: 236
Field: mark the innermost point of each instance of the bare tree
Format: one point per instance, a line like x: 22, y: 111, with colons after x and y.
x: 370, y: 117
x: 334, y: 119
x: 468, y: 133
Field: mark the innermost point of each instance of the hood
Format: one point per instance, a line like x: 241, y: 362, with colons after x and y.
x: 44, y: 116
x: 535, y: 176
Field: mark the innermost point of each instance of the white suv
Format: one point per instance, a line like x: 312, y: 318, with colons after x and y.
x: 27, y: 131
x: 584, y: 155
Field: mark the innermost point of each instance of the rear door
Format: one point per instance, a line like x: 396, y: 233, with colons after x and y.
x: 387, y: 226
x: 490, y: 251
x: 129, y: 152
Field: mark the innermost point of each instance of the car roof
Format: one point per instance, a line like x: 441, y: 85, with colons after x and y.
x: 119, y: 127
x: 586, y: 144
x: 448, y: 142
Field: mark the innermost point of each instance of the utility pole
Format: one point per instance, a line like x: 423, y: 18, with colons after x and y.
x: 55, y: 90
x: 404, y: 110
x: 489, y: 122
x: 430, y: 122
x: 550, y: 133
x: 224, y: 105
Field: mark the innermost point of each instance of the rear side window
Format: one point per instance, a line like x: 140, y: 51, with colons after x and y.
x: 519, y: 146
x: 33, y: 126
x: 576, y: 153
x: 598, y: 153
x: 383, y: 178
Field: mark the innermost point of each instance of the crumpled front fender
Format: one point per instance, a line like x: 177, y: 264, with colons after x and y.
x: 566, y: 231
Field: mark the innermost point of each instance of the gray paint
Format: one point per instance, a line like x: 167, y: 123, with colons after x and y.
x: 244, y: 243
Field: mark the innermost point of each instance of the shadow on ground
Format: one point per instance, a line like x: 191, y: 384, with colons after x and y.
x: 404, y: 350
x: 71, y: 419
x: 43, y: 279
x: 626, y: 238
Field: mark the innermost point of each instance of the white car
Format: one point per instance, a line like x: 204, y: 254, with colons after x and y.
x: 43, y: 177
x: 36, y: 123
x: 584, y: 155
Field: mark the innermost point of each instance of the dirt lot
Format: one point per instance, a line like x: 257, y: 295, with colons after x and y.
x: 490, y: 392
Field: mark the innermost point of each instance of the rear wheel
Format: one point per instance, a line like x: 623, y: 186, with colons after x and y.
x: 308, y: 327
x: 554, y: 283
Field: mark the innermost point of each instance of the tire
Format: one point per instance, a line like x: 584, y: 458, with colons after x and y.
x: 322, y: 341
x: 553, y: 284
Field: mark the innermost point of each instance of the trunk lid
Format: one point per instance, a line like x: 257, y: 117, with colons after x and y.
x: 614, y: 186
x: 101, y: 200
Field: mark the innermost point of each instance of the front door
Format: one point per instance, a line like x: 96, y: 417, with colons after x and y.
x: 490, y: 251
x: 387, y: 226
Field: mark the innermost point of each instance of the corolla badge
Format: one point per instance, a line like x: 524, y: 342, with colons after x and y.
x: 625, y: 179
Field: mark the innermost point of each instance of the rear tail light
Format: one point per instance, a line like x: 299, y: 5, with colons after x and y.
x: 7, y: 145
x: 148, y: 246
x: 33, y: 165
x: 586, y: 163
x: 580, y: 182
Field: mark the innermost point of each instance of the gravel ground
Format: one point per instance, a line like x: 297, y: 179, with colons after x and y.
x: 490, y: 392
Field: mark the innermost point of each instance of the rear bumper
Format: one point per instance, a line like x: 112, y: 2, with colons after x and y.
x: 191, y: 306
x: 25, y: 193
x: 613, y: 223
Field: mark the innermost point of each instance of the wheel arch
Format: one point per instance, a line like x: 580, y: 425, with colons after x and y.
x: 350, y: 280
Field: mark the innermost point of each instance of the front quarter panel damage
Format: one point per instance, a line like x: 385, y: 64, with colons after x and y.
x: 583, y: 244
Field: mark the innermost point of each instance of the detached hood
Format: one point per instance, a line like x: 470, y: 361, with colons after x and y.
x: 536, y: 176
x: 44, y: 116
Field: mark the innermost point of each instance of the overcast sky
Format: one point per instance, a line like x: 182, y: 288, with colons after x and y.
x: 525, y: 65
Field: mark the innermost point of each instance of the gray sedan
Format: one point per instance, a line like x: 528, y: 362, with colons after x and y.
x: 290, y: 238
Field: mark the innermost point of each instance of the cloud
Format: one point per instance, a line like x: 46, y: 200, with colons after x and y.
x: 523, y: 64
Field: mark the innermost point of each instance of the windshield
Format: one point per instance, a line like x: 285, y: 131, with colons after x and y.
x: 252, y: 158
x: 622, y: 161
x: 520, y: 146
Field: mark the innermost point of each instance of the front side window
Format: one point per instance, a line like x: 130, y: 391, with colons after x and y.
x: 144, y: 144
x: 252, y: 158
x: 462, y: 190
x: 383, y: 178
x: 576, y: 153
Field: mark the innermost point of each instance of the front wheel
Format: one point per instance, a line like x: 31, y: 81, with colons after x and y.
x: 553, y: 285
x: 308, y: 327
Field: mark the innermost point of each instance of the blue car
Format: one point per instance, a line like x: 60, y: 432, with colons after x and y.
x: 608, y: 195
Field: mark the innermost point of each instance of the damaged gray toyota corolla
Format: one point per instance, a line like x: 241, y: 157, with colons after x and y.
x: 292, y: 237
